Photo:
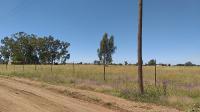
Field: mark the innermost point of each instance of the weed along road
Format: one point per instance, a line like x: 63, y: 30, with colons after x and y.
x: 22, y: 95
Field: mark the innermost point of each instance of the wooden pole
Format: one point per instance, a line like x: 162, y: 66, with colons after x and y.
x: 14, y: 68
x: 35, y: 66
x: 52, y: 64
x: 73, y: 69
x: 155, y: 73
x: 104, y: 68
x: 104, y: 71
x: 6, y: 65
x: 23, y: 66
x: 140, y: 74
x: 51, y: 67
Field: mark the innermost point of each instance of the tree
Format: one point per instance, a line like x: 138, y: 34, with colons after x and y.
x: 64, y: 58
x: 31, y: 49
x: 189, y: 63
x: 152, y: 62
x: 1, y: 60
x: 106, y: 50
x: 125, y: 63
x: 96, y: 62
x: 64, y: 53
x: 140, y: 74
x: 6, y: 49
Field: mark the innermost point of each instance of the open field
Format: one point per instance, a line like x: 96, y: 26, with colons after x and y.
x: 182, y: 83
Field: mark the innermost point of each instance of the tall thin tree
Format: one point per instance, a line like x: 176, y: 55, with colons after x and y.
x: 106, y: 50
x: 140, y: 74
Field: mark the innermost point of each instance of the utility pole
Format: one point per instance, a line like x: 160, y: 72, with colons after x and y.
x: 140, y: 74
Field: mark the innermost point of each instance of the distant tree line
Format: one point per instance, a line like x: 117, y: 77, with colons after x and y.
x: 189, y: 63
x: 23, y: 48
x: 151, y: 62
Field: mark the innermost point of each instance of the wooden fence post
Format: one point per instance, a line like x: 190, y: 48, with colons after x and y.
x: 51, y: 67
x: 14, y: 68
x: 155, y: 73
x: 73, y: 69
x: 165, y: 87
x: 23, y: 66
x: 6, y: 66
x: 35, y: 67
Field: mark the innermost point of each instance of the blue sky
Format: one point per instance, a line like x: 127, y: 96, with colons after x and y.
x: 171, y: 28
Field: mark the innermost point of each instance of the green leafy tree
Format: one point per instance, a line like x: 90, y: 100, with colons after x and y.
x: 64, y: 53
x: 31, y: 49
x: 189, y: 63
x: 125, y: 63
x: 106, y: 50
x: 6, y: 49
x: 152, y: 62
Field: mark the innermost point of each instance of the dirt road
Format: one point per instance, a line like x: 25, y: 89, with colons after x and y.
x: 21, y: 95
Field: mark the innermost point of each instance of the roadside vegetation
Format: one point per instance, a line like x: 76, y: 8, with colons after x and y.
x: 178, y: 87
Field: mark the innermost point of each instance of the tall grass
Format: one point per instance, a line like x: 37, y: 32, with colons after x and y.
x: 182, y: 83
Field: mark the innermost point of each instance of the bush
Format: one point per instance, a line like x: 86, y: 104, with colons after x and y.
x: 195, y: 108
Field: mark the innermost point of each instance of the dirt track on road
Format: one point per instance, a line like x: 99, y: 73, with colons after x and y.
x: 22, y: 95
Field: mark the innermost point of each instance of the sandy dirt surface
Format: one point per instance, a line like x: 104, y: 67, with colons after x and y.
x: 23, y: 95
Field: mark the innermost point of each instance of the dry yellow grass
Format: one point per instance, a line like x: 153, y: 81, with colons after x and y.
x: 183, y: 85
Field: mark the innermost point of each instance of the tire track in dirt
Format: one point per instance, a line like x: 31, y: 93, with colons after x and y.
x: 23, y: 95
x: 18, y: 97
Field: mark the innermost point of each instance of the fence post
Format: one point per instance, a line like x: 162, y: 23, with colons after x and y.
x: 104, y: 71
x: 14, y: 68
x: 51, y: 67
x: 73, y: 69
x: 35, y: 66
x: 165, y: 87
x: 6, y: 66
x: 23, y: 66
x: 155, y: 73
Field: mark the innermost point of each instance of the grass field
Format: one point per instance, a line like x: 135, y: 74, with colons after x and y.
x: 178, y: 87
